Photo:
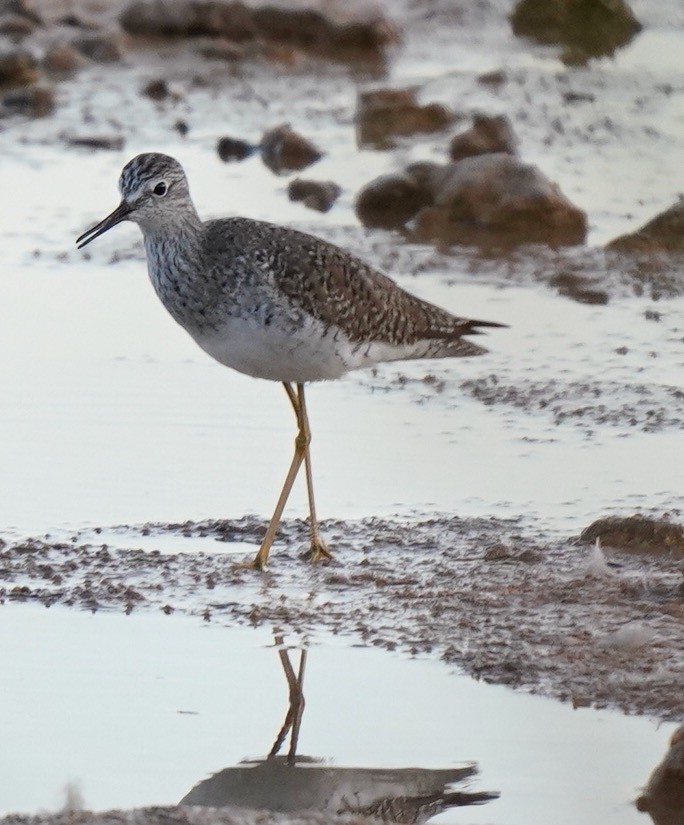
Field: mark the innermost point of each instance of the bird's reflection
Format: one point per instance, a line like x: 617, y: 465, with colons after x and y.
x: 663, y: 796
x: 300, y: 783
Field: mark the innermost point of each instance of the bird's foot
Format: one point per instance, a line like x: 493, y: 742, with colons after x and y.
x: 318, y: 553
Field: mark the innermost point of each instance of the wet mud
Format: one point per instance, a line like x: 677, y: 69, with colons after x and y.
x: 503, y: 604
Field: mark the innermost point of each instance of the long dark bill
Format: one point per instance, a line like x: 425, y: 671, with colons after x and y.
x: 121, y: 212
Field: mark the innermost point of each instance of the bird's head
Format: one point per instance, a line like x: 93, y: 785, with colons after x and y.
x: 154, y: 192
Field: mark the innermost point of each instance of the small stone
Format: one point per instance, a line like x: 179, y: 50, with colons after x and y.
x: 389, y: 201
x: 16, y: 26
x: 318, y: 195
x: 383, y: 114
x: 182, y: 127
x: 232, y: 149
x: 34, y: 101
x: 18, y: 68
x: 283, y: 150
x: 664, y: 233
x: 498, y: 552
x: 102, y: 48
x: 495, y: 78
x: 63, y: 59
x: 110, y: 142
x: 488, y: 134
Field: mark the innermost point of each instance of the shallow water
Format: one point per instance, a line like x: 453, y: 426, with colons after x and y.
x: 136, y: 711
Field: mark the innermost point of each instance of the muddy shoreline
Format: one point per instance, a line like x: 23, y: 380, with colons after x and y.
x: 490, y: 597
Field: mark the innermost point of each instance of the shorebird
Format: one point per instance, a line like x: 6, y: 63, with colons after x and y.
x: 275, y: 303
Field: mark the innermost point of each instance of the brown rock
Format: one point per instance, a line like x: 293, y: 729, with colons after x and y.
x: 189, y: 18
x: 16, y: 26
x: 318, y: 195
x: 330, y: 30
x: 637, y: 534
x: 63, y: 59
x: 382, y: 114
x: 21, y: 8
x: 110, y: 142
x: 231, y: 149
x: 497, y: 199
x: 104, y: 47
x: 33, y: 101
x: 595, y: 27
x: 664, y: 233
x: 579, y: 287
x: 487, y: 134
x: 283, y: 150
x: 18, y: 68
x: 390, y: 201
x: 663, y: 796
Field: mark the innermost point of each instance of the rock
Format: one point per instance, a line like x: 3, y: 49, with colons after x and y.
x: 663, y: 796
x: 664, y: 233
x: 230, y: 149
x: 189, y: 18
x: 63, y: 59
x: 16, y: 26
x: 18, y: 68
x: 161, y: 89
x: 487, y: 134
x: 637, y: 534
x: 284, y: 150
x: 318, y: 195
x: 102, y: 48
x: 33, y: 101
x: 390, y: 201
x: 383, y: 114
x: 111, y: 142
x: 594, y: 27
x: 578, y: 287
x: 334, y: 30
x: 496, y: 78
x: 497, y: 199
x: 331, y: 31
x: 182, y: 127
x: 222, y: 50
x: 21, y: 8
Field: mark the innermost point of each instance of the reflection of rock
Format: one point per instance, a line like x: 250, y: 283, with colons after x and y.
x: 485, y: 199
x: 382, y: 114
x: 488, y: 134
x: 331, y: 30
x: 640, y: 534
x: 389, y: 201
x: 318, y: 195
x: 663, y: 797
x: 664, y: 233
x: 283, y: 150
x: 596, y: 27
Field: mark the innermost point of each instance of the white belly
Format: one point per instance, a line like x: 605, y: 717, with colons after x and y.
x: 306, y: 354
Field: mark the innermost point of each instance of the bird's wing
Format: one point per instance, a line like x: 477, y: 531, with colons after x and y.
x: 338, y: 288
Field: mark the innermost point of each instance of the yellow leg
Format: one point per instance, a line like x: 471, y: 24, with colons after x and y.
x: 319, y: 551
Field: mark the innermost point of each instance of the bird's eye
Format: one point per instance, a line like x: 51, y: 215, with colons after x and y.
x: 160, y: 189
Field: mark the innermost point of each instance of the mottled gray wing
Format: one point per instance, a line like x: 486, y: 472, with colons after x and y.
x: 336, y: 287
